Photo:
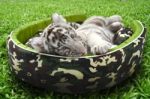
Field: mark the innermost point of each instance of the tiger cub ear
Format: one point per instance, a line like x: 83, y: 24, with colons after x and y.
x: 57, y: 18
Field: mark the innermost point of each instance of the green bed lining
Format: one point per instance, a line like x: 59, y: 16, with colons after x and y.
x: 22, y: 34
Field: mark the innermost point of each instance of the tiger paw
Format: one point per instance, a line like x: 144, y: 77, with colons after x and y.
x: 37, y: 44
x: 101, y: 48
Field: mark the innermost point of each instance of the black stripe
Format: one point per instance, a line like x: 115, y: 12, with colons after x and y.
x: 49, y: 31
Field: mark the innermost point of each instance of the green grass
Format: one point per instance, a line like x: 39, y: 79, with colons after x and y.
x: 14, y: 13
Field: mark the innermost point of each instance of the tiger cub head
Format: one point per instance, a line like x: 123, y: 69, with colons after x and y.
x: 61, y: 38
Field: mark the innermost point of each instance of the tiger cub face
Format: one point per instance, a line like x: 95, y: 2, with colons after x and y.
x: 61, y: 38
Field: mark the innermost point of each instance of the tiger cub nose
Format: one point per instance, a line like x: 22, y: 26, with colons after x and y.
x: 82, y: 51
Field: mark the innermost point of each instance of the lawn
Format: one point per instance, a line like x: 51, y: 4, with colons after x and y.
x: 14, y: 13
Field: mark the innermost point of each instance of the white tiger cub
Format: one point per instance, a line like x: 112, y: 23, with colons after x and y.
x: 94, y: 36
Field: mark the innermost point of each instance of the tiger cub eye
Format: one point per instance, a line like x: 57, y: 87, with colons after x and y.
x: 72, y: 35
x: 64, y: 37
